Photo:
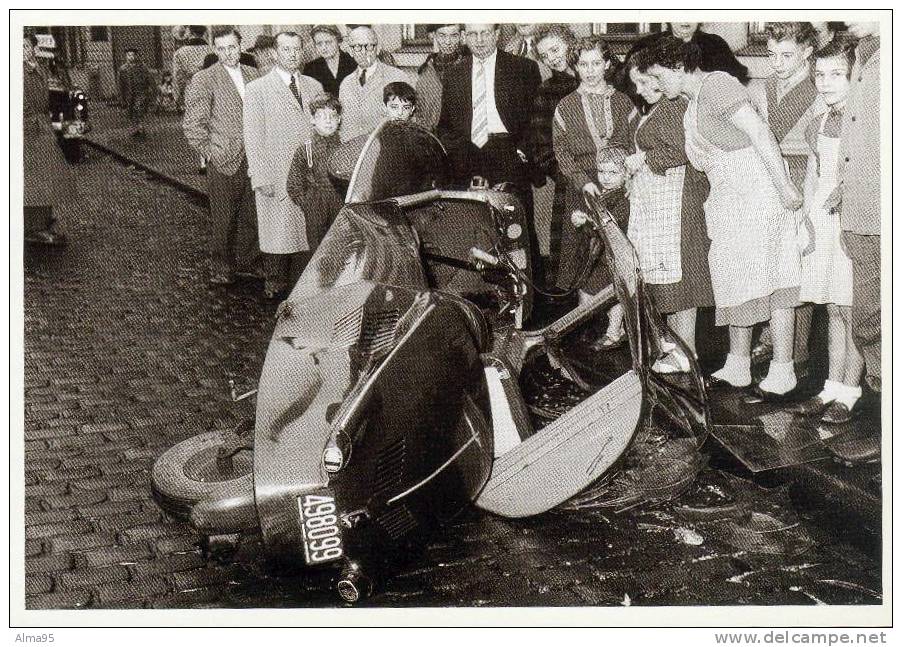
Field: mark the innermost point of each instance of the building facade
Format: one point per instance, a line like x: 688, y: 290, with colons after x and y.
x: 94, y: 53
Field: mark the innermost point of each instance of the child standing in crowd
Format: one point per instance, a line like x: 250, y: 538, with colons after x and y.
x: 788, y: 101
x: 166, y: 94
x: 612, y: 196
x: 308, y: 182
x: 826, y: 269
x: 399, y: 102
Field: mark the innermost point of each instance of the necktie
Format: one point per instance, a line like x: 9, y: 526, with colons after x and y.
x: 362, y: 77
x: 293, y: 86
x: 479, y: 132
x: 524, y: 48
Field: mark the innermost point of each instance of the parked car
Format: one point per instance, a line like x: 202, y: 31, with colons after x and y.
x: 389, y: 398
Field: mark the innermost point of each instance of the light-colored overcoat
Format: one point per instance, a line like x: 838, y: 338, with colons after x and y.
x: 275, y: 125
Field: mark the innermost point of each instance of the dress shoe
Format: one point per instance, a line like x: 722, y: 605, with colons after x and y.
x: 854, y: 444
x: 813, y: 406
x: 717, y: 384
x: 608, y: 342
x: 836, y: 414
x: 757, y: 395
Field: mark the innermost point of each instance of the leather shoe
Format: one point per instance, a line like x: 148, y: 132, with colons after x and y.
x: 813, y: 406
x: 836, y: 414
x: 759, y: 395
x: 854, y: 445
x: 717, y: 384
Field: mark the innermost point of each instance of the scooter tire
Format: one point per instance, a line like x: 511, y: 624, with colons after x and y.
x: 187, y: 476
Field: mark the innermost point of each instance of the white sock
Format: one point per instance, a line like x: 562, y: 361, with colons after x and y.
x: 831, y: 388
x: 848, y: 395
x: 737, y: 370
x: 781, y: 378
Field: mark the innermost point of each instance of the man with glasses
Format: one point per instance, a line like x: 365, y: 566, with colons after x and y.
x: 276, y: 121
x: 361, y: 93
x: 486, y: 106
x: 333, y: 64
x: 449, y: 50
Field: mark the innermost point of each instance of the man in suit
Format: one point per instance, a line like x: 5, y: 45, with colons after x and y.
x: 276, y: 122
x: 361, y: 92
x: 449, y: 51
x: 213, y: 126
x: 523, y: 44
x: 485, y: 115
x: 333, y: 64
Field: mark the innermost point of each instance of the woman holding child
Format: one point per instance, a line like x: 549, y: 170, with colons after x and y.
x: 587, y: 122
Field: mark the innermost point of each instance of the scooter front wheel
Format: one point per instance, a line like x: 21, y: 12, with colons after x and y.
x: 191, y: 482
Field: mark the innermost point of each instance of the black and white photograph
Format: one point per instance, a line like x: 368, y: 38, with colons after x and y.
x: 569, y: 319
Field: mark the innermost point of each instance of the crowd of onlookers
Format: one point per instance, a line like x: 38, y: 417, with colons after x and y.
x: 760, y: 198
x: 757, y: 198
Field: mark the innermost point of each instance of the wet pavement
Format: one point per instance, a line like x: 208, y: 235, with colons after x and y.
x: 128, y: 351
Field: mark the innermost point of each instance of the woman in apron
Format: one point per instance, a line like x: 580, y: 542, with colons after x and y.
x: 788, y: 101
x: 667, y: 225
x: 753, y: 259
x: 826, y: 270
x: 586, y: 122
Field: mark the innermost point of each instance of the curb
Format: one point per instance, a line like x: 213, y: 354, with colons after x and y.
x: 156, y: 173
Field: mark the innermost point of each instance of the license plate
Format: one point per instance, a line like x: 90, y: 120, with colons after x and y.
x: 320, y: 528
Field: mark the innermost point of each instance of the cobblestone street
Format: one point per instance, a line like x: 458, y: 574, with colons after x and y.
x: 129, y: 351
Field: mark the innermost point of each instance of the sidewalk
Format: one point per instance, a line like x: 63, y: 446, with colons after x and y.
x: 164, y: 152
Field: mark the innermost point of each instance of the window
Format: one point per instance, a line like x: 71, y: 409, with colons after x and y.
x: 100, y: 34
x: 415, y: 35
x: 625, y: 30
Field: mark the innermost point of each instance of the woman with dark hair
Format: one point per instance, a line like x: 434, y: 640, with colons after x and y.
x: 667, y: 220
x: 556, y: 46
x: 754, y: 259
x: 588, y: 122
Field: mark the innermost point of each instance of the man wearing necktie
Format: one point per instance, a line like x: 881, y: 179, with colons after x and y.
x: 275, y: 121
x: 360, y: 93
x: 486, y: 104
x: 213, y: 127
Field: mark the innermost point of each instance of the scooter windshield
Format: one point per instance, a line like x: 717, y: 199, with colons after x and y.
x: 399, y: 158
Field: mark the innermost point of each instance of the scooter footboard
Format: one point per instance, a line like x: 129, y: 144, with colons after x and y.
x: 568, y: 455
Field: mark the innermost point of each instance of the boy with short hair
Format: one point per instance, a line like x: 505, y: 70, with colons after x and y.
x: 400, y: 101
x: 308, y: 179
